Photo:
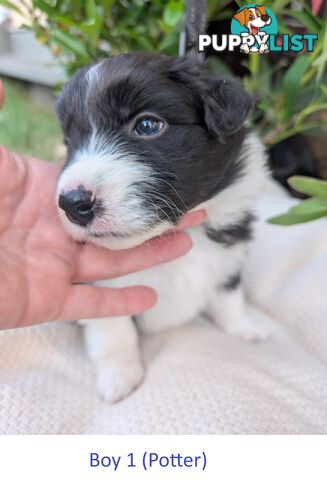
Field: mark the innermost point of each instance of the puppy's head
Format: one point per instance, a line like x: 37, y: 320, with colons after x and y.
x: 253, y: 17
x: 148, y: 138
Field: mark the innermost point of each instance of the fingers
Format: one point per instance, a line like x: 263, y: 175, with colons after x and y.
x: 2, y: 94
x: 98, y: 263
x: 192, y: 219
x: 86, y: 301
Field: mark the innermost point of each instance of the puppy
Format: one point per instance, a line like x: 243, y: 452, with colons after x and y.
x: 150, y: 138
x: 253, y: 19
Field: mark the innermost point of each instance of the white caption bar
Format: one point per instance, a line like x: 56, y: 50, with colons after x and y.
x: 163, y: 457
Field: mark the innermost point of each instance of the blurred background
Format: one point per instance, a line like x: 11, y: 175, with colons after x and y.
x: 43, y: 42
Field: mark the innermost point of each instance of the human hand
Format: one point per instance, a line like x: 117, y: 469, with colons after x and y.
x: 42, y: 267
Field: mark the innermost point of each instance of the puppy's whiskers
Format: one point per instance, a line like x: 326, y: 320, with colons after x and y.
x: 171, y: 203
x: 170, y: 185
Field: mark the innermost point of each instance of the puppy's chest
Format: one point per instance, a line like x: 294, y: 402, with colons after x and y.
x: 186, y: 286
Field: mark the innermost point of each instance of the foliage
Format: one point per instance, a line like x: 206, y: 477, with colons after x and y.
x: 80, y: 31
x: 292, y: 92
x: 308, y: 210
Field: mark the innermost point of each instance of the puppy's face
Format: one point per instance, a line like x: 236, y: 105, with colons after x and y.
x: 253, y: 17
x: 148, y: 138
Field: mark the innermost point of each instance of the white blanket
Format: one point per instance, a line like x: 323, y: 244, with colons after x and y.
x: 199, y: 380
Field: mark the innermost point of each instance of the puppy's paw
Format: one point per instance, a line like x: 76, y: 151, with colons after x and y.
x: 116, y: 381
x: 263, y: 48
x: 245, y: 48
x: 248, y: 330
x: 245, y: 327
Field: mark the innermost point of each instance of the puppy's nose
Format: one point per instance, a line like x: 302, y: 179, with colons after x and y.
x: 264, y: 18
x: 78, y: 205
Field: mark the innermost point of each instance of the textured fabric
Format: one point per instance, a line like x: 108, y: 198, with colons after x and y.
x: 199, y: 380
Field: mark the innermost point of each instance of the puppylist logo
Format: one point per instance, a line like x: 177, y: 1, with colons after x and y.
x: 254, y: 29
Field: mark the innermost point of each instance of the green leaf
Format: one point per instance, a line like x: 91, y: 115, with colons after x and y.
x: 310, y: 186
x: 164, y: 27
x: 8, y: 4
x: 170, y: 39
x: 309, y: 110
x: 67, y: 21
x: 91, y: 9
x: 92, y: 27
x: 291, y: 82
x: 312, y: 205
x: 69, y: 43
x: 44, y: 6
x: 290, y: 219
x: 318, y: 128
x: 173, y: 12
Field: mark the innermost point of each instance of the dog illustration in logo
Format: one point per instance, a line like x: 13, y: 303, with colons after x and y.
x: 253, y: 19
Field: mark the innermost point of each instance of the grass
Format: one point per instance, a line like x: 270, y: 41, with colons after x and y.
x: 29, y: 126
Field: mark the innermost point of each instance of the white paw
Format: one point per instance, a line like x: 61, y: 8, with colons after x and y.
x: 263, y: 48
x: 247, y: 329
x: 116, y: 381
x: 245, y: 48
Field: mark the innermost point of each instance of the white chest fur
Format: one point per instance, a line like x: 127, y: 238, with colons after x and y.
x: 186, y: 286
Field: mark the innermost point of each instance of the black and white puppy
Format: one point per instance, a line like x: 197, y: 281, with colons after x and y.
x: 149, y: 138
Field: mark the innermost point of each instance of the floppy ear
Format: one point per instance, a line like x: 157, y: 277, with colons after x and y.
x: 226, y: 107
x: 223, y: 102
x: 261, y: 9
x: 240, y: 17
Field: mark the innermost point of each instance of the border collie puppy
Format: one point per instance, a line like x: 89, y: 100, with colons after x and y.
x: 150, y: 138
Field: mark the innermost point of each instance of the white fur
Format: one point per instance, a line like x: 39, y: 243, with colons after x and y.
x: 187, y: 288
x: 93, y: 74
x: 114, y: 350
x: 111, y: 174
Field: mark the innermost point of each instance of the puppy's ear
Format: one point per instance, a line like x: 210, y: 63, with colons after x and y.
x: 226, y: 106
x: 261, y: 9
x: 240, y: 17
x: 223, y: 103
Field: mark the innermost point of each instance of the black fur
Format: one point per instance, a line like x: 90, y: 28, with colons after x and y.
x: 198, y: 155
x: 234, y: 233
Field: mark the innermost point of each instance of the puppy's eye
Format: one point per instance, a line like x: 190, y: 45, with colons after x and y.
x: 251, y: 17
x: 148, y: 126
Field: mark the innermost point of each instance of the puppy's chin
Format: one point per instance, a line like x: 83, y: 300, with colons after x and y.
x: 110, y: 241
x: 123, y: 243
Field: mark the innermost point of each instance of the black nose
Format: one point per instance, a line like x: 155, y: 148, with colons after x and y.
x: 265, y: 18
x: 78, y: 205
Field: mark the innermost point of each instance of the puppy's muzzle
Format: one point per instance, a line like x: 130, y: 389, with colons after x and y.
x: 78, y: 205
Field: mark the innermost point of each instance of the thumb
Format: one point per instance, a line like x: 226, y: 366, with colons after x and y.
x: 89, y: 301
